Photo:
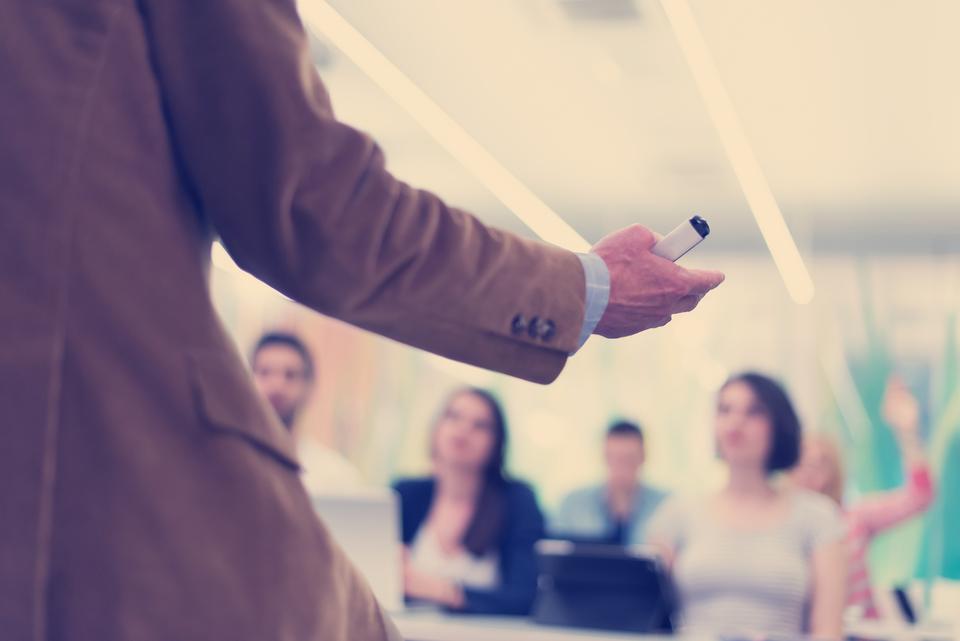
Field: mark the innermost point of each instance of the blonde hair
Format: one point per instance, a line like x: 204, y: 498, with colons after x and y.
x: 831, y: 452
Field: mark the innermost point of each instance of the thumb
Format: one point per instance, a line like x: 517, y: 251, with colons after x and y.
x: 644, y: 238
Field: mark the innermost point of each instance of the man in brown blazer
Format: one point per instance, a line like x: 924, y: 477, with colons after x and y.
x: 146, y: 494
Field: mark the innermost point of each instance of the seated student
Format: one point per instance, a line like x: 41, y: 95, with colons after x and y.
x: 821, y: 470
x: 469, y: 531
x: 755, y: 559
x: 617, y: 510
x: 285, y: 376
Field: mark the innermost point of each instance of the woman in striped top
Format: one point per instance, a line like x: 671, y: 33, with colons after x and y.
x: 821, y: 470
x: 755, y: 559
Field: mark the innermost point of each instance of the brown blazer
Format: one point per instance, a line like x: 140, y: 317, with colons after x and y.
x: 145, y: 493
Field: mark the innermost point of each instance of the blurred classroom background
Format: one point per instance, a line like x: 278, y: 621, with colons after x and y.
x: 850, y: 109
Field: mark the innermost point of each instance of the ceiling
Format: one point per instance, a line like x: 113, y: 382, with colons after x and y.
x: 852, y: 109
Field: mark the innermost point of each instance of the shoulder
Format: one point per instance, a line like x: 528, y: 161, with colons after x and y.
x: 685, y: 511
x: 671, y: 523
x: 814, y: 506
x: 416, y: 495
x: 675, y: 511
x: 519, y: 493
x: 521, y: 502
x: 656, y: 495
x: 581, y: 495
x: 817, y: 518
x: 524, y: 519
x: 414, y: 488
x: 681, y: 504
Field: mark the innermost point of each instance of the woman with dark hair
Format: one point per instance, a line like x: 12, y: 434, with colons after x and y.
x: 469, y: 531
x: 756, y: 559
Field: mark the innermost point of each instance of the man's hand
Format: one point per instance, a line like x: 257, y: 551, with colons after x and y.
x: 646, y: 290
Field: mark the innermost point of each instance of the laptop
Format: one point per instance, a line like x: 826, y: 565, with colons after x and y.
x: 604, y: 587
x: 367, y: 527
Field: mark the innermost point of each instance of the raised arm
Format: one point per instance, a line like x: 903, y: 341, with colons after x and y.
x: 884, y: 510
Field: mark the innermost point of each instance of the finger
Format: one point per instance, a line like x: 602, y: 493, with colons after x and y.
x: 702, y: 281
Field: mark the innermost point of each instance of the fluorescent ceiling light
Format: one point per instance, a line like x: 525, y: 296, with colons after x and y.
x: 764, y: 206
x: 527, y: 206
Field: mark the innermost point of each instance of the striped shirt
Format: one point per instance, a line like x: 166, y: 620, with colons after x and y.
x: 745, y: 580
x: 872, y: 516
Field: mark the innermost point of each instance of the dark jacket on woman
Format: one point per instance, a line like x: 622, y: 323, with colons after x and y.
x: 522, y: 528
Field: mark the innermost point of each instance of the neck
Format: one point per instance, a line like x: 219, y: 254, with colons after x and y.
x: 749, y: 481
x: 458, y: 483
x: 620, y: 490
x: 620, y: 500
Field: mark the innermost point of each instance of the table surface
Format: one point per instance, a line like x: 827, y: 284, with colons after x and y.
x: 427, y: 625
x: 901, y: 632
x: 434, y: 626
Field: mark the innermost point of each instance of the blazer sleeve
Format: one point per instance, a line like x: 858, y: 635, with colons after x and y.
x: 518, y: 561
x: 305, y: 202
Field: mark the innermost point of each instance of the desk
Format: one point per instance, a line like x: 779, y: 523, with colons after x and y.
x: 898, y: 632
x: 433, y: 626
x: 426, y: 625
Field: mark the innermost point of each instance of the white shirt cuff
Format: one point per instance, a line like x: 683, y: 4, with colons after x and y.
x: 597, y: 278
